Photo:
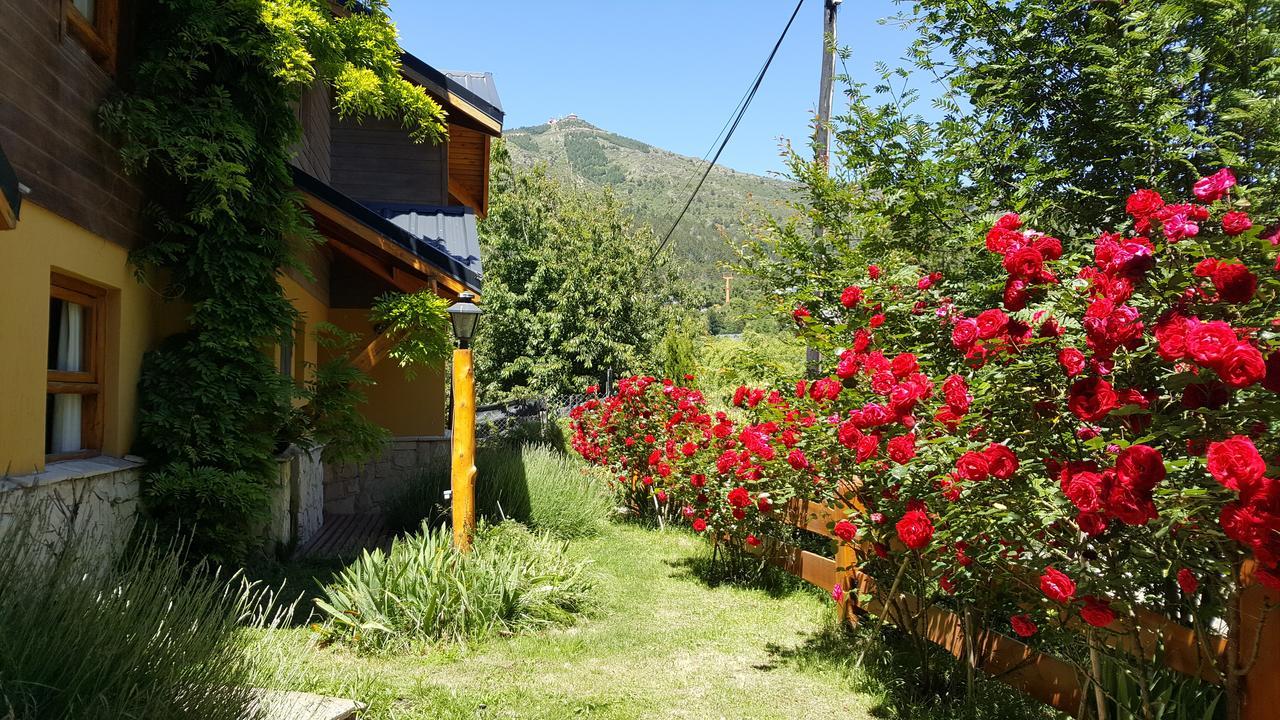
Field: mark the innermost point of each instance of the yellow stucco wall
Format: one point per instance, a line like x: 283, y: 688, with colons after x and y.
x: 43, y: 243
x: 408, y: 408
x: 137, y: 319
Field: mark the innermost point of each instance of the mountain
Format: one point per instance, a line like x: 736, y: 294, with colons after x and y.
x: 655, y: 184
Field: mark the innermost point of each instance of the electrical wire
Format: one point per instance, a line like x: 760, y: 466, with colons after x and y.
x: 741, y: 112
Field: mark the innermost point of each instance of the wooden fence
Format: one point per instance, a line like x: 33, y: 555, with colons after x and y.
x: 1050, y: 680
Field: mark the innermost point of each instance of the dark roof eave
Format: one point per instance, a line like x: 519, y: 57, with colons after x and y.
x: 372, y: 220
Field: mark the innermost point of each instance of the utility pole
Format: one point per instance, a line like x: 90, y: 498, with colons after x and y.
x: 821, y: 133
x: 728, y: 288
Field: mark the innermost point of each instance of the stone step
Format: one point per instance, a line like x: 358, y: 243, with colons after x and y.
x: 289, y: 705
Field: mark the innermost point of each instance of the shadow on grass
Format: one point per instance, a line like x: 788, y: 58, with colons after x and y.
x: 299, y: 582
x: 893, y: 675
x: 748, y: 573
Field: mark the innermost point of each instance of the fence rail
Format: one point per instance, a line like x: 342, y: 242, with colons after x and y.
x: 1046, y: 678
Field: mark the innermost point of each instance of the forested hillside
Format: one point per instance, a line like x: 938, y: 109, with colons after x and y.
x: 654, y: 184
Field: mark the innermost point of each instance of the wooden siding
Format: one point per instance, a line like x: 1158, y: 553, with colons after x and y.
x: 312, y: 153
x: 469, y: 168
x: 375, y: 161
x: 50, y: 91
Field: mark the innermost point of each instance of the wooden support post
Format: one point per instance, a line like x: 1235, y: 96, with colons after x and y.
x: 463, y: 477
x: 1261, y: 682
x: 846, y: 575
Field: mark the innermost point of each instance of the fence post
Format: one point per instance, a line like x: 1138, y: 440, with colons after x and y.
x: 1262, y: 682
x: 846, y: 568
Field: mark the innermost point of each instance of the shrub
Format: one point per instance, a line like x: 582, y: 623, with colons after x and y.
x: 150, y: 637
x: 424, y: 591
x: 535, y: 485
x: 1071, y: 440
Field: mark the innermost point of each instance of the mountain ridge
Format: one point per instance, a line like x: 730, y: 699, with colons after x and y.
x: 654, y: 183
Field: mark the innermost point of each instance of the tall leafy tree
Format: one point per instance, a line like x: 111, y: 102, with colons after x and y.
x: 571, y: 289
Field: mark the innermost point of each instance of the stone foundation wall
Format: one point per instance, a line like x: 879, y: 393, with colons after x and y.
x: 95, y: 500
x: 368, y: 487
x: 297, y: 501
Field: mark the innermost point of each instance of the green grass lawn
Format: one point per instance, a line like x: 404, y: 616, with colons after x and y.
x: 662, y: 644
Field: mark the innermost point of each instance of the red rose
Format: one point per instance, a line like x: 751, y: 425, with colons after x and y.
x: 739, y: 497
x: 699, y: 524
x: 800, y: 315
x: 1241, y: 366
x: 1208, y: 342
x: 1009, y: 221
x: 873, y: 271
x: 1096, y: 612
x: 1211, y: 188
x: 851, y: 296
x: 845, y: 530
x: 1188, y: 582
x: 1072, y: 361
x: 1143, y: 203
x: 876, y: 320
x: 964, y: 333
x: 1140, y: 467
x: 1234, y: 282
x: 1236, y: 464
x: 904, y: 364
x: 1016, y: 296
x: 991, y: 323
x: 1057, y: 586
x: 1024, y: 264
x: 1091, y: 524
x: 1001, y: 461
x: 956, y: 392
x: 973, y: 466
x: 1023, y: 626
x: 1171, y: 335
x: 797, y: 459
x: 915, y: 529
x: 1083, y: 487
x: 1234, y: 223
x: 753, y: 541
x: 902, y: 448
x: 1092, y: 399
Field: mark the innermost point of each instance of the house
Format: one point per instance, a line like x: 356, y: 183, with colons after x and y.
x: 75, y: 323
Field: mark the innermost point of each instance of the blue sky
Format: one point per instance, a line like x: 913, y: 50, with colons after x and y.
x: 668, y: 72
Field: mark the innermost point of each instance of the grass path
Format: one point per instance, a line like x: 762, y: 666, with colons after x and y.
x: 663, y: 645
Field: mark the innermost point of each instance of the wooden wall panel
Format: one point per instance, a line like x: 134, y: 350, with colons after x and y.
x: 312, y: 153
x: 50, y: 92
x: 375, y: 161
x: 469, y: 167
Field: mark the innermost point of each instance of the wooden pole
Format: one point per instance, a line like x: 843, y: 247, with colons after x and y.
x: 821, y: 132
x: 1260, y: 647
x: 463, y: 477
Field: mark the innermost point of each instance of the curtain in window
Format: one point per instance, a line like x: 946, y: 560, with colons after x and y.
x: 67, y: 408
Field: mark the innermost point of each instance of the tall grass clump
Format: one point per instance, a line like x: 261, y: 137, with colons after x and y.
x: 145, y: 636
x: 535, y: 485
x: 424, y: 591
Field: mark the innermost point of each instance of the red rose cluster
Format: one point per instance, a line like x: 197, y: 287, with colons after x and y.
x: 1123, y: 492
x: 1253, y: 520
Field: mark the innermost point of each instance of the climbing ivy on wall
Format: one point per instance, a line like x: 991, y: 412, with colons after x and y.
x: 207, y: 118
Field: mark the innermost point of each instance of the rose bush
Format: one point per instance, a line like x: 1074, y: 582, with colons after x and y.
x: 1102, y: 419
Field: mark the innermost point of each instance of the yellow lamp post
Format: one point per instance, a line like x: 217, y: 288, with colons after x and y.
x: 465, y: 316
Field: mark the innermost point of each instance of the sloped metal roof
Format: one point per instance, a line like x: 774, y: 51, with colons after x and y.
x: 451, y: 230
x: 480, y: 83
x: 457, y: 229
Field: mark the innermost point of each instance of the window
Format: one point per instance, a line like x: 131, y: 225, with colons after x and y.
x: 74, y: 400
x: 94, y: 23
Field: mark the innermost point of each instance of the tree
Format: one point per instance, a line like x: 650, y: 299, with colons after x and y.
x: 1070, y: 104
x: 571, y: 288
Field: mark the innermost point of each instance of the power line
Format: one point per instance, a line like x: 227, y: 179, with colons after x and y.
x: 742, y: 111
